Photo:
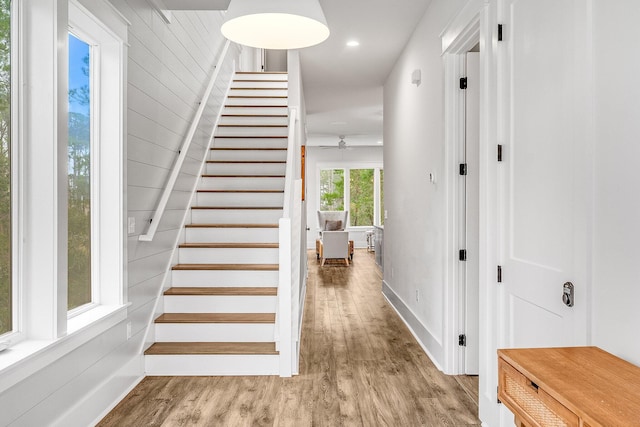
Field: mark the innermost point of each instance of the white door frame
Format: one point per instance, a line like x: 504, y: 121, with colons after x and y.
x: 476, y: 22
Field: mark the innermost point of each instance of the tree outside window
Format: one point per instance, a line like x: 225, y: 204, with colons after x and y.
x: 361, y: 182
x: 79, y: 168
x: 332, y: 189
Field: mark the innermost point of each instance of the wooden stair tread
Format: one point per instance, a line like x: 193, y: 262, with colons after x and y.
x: 259, y: 81
x: 253, y: 162
x: 261, y: 73
x: 259, y: 88
x: 222, y: 291
x: 229, y: 246
x: 216, y: 318
x: 252, y: 126
x: 240, y: 208
x: 258, y: 97
x: 241, y: 191
x: 242, y: 176
x: 254, y: 106
x: 254, y: 115
x: 212, y: 348
x: 230, y: 267
x: 252, y: 136
x: 248, y: 149
x: 232, y: 226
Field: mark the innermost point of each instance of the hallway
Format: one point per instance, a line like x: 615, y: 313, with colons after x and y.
x: 359, y: 366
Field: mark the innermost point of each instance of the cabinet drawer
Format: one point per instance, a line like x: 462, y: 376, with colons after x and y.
x: 529, y: 402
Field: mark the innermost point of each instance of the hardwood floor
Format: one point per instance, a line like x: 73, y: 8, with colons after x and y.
x: 359, y: 366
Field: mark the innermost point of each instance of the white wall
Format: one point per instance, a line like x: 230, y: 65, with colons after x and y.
x: 616, y: 252
x: 168, y: 67
x: 414, y: 237
x: 323, y: 157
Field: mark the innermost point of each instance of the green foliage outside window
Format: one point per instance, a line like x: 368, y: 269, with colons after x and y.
x: 361, y: 197
x: 5, y: 168
x: 79, y: 169
x: 332, y: 190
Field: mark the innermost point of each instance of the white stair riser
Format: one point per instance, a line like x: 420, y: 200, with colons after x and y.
x: 219, y: 304
x: 239, y: 199
x: 228, y: 256
x: 277, y: 85
x: 212, y: 365
x: 251, y: 131
x: 263, y: 111
x: 280, y: 102
x: 214, y: 332
x: 254, y: 120
x: 219, y: 142
x: 261, y: 76
x: 222, y: 278
x: 232, y: 235
x: 252, y: 155
x: 234, y: 216
x: 245, y: 168
x: 241, y: 183
x: 259, y: 92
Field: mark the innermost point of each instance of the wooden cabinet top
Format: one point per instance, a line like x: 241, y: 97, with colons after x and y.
x: 598, y: 387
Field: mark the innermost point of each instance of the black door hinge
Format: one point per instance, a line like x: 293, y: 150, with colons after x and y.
x: 499, y: 32
x: 463, y: 168
x: 499, y: 274
x: 462, y: 340
x: 462, y: 255
x: 499, y: 152
x: 498, y: 395
x: 463, y: 83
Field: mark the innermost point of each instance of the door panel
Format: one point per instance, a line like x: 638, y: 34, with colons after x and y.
x: 472, y: 213
x: 540, y: 175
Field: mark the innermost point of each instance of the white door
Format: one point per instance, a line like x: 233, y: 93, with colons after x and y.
x: 543, y: 198
x: 472, y: 212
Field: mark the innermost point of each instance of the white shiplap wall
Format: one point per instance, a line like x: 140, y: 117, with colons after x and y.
x: 168, y: 70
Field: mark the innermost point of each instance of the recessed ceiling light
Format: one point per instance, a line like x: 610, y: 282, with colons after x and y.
x: 379, y: 142
x: 353, y: 43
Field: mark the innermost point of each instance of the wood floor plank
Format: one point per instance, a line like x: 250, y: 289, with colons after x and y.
x: 223, y: 291
x: 235, y: 267
x: 340, y: 383
x: 161, y: 348
x: 216, y: 318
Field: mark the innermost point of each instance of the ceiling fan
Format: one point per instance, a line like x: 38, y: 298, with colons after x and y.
x: 342, y: 144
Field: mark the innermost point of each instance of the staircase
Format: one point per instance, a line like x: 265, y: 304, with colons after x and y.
x: 219, y: 316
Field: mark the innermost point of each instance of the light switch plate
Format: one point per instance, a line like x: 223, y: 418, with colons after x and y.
x: 131, y: 225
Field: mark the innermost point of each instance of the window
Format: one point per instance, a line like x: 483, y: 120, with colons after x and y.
x: 79, y: 180
x: 332, y: 190
x: 361, y: 196
x: 358, y: 188
x: 6, y: 282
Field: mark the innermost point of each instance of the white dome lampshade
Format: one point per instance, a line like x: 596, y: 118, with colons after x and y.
x: 275, y: 24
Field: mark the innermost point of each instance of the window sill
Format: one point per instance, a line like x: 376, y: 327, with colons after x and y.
x: 27, y: 357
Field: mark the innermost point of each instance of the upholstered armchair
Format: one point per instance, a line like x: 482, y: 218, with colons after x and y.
x: 334, y: 240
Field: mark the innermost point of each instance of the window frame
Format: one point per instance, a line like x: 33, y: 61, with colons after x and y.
x: 347, y: 167
x: 44, y: 332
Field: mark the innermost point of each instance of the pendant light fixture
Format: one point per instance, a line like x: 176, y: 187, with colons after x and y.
x: 275, y: 24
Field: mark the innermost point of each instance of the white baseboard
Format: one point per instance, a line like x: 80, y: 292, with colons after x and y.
x: 431, y: 346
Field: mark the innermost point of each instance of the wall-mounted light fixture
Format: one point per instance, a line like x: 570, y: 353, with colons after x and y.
x: 416, y: 77
x: 276, y: 24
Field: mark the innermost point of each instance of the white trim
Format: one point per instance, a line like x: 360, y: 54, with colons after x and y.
x: 417, y: 328
x: 462, y: 34
x: 463, y: 27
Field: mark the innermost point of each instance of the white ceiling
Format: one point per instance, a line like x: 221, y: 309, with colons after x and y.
x: 343, y: 85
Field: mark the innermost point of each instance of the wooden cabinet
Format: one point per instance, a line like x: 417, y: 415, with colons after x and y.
x: 571, y: 386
